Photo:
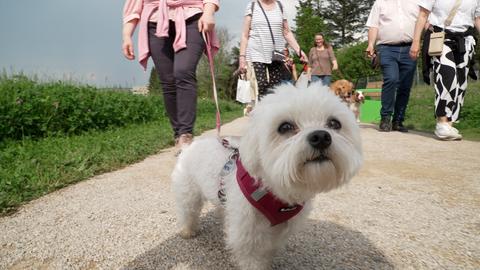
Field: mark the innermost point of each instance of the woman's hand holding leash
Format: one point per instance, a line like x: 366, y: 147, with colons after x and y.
x: 370, y: 51
x: 206, y: 23
x: 303, y: 57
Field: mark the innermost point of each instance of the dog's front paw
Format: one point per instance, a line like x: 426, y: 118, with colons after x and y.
x: 187, y: 233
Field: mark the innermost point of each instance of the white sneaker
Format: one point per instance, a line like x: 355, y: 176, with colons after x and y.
x: 446, y: 132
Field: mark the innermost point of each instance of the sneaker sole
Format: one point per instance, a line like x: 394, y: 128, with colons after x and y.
x: 448, y: 138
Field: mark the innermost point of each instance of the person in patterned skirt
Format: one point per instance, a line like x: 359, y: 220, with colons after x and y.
x: 450, y: 69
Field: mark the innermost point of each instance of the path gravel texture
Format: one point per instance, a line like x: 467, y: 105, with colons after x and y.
x: 414, y: 205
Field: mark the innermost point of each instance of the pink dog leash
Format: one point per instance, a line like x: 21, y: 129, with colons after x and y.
x: 208, y: 44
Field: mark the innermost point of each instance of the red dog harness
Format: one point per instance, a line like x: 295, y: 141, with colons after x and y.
x: 271, y: 207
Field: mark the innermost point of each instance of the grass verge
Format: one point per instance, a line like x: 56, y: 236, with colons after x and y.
x: 32, y: 168
x: 420, y: 112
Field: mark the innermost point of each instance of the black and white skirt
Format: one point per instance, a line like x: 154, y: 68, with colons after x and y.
x: 450, y: 77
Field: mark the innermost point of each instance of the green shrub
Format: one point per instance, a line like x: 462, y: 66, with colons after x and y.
x: 352, y: 63
x: 35, y: 110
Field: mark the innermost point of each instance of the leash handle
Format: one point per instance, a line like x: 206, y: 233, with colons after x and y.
x: 305, y: 67
x: 212, y: 73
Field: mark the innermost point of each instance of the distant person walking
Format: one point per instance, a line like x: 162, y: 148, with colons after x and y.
x: 457, y: 19
x: 390, y: 26
x: 322, y: 61
x: 265, y: 30
x: 170, y: 32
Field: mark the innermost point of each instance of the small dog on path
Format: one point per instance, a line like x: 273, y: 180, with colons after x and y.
x: 356, y: 100
x: 342, y: 88
x: 347, y: 93
x: 297, y: 144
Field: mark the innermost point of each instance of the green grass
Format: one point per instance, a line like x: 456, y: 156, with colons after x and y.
x: 420, y: 112
x: 31, y: 168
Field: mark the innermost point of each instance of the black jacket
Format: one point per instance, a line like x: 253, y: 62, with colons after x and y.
x: 456, y: 41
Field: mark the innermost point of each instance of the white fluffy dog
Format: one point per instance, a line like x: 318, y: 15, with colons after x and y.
x: 299, y: 142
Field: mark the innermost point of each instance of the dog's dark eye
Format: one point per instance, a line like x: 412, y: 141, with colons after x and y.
x: 285, y: 127
x: 334, y: 124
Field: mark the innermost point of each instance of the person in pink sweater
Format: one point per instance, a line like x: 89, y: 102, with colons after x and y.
x: 170, y: 32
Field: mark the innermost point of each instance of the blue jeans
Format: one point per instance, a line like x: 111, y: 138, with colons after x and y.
x: 398, y: 70
x: 325, y: 79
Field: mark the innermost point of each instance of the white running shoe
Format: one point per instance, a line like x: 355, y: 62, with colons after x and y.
x: 446, y: 132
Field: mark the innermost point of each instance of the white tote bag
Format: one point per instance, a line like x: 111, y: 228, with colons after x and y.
x: 243, y: 90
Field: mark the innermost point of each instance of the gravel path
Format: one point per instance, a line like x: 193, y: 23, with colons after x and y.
x: 414, y: 205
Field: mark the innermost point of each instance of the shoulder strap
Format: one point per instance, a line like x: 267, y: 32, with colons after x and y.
x: 253, y: 5
x: 281, y: 6
x: 268, y: 22
x: 454, y: 10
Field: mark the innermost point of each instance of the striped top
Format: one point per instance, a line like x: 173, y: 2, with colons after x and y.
x: 260, y: 46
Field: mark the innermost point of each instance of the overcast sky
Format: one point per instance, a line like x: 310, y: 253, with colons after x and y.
x: 81, y: 40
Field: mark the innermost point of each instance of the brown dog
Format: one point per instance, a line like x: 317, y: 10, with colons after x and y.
x: 345, y: 90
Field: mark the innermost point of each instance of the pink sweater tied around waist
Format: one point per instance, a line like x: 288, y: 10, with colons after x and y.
x: 163, y: 25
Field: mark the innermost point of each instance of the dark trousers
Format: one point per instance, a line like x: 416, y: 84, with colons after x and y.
x: 177, y: 72
x: 398, y: 70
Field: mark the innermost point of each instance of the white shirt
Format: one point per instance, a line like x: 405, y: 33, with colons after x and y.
x: 260, y: 45
x: 440, y: 9
x: 395, y: 20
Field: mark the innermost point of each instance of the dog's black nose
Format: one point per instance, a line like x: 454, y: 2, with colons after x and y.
x: 319, y: 139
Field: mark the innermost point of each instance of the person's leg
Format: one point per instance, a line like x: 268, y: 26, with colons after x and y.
x: 463, y: 68
x: 276, y: 73
x: 162, y: 54
x: 389, y: 65
x: 445, y: 85
x: 260, y: 70
x: 321, y: 78
x: 407, y: 68
x: 253, y: 83
x: 326, y: 80
x: 314, y: 78
x: 185, y: 67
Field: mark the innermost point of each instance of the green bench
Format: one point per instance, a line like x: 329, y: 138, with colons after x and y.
x: 370, y: 110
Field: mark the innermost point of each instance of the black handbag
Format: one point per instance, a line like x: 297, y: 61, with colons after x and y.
x: 277, y: 56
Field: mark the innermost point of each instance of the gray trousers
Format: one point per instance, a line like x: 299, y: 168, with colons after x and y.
x: 177, y: 72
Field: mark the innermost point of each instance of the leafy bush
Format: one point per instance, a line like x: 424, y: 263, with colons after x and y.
x: 32, y: 109
x: 352, y: 63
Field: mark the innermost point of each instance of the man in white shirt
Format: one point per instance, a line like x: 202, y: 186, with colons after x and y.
x: 391, y: 25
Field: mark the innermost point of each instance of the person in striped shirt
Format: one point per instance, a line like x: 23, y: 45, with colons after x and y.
x: 265, y: 30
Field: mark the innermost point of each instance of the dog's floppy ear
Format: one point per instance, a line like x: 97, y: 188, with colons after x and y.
x: 333, y: 86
